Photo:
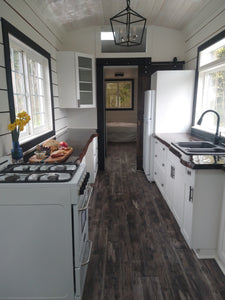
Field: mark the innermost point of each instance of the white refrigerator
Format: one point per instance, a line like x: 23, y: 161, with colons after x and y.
x: 148, y: 130
x: 167, y: 109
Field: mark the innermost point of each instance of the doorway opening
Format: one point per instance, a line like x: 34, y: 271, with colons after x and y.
x: 145, y: 69
x: 143, y: 80
x: 121, y: 103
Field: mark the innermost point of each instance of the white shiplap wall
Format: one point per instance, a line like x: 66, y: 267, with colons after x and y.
x: 209, y: 23
x: 20, y: 14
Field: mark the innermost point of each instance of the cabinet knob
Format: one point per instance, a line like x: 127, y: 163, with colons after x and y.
x: 162, y: 185
x: 163, y: 165
x: 188, y: 172
x: 155, y: 173
x: 155, y: 155
x: 164, y: 149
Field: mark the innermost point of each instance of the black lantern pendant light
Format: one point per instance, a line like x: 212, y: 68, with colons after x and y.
x: 128, y: 27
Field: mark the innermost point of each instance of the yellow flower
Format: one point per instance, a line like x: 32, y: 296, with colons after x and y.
x: 11, y: 126
x: 21, y: 120
x: 27, y: 119
x: 22, y: 115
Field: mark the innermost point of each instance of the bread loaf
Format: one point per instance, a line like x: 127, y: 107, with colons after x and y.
x: 58, y: 153
x: 51, y: 143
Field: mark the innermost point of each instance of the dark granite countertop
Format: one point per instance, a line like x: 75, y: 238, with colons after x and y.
x: 79, y: 140
x: 191, y: 161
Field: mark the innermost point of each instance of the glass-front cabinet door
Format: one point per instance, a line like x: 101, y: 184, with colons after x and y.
x: 85, y: 80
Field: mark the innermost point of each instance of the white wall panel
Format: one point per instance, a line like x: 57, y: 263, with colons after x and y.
x: 3, y: 84
x: 5, y: 144
x: 53, y: 64
x: 54, y: 78
x: 25, y: 19
x: 55, y: 90
x: 32, y: 18
x: 202, y: 32
x: 2, y: 59
x: 56, y: 102
x: 27, y: 28
x: 4, y: 103
x: 60, y: 124
x: 60, y: 113
x: 4, y: 122
x: 82, y: 118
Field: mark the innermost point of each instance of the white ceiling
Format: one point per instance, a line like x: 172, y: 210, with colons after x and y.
x: 75, y: 14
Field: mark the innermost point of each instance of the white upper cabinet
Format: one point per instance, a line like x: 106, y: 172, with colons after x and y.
x: 76, y: 80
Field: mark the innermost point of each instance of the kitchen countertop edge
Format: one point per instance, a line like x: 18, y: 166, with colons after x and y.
x: 190, y: 161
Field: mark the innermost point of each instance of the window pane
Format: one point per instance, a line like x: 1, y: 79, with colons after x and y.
x: 19, y: 84
x: 119, y: 94
x: 212, y: 53
x: 20, y: 103
x: 16, y: 61
x: 125, y: 90
x: 212, y: 97
x: 111, y: 95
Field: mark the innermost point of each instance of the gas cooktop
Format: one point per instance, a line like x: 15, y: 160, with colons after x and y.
x: 38, y: 172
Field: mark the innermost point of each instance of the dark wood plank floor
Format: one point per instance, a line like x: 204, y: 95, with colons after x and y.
x: 138, y: 250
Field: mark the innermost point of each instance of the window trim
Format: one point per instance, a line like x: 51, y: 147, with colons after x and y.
x: 9, y: 29
x: 132, y: 93
x: 196, y: 131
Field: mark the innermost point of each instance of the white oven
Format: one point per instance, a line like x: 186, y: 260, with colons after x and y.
x: 45, y: 247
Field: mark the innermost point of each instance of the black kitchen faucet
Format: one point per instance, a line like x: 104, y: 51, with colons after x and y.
x: 217, y: 137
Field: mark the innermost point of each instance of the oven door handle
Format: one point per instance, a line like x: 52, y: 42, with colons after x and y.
x: 90, y: 189
x: 89, y: 254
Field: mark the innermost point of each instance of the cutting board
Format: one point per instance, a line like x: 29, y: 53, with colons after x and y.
x: 34, y: 159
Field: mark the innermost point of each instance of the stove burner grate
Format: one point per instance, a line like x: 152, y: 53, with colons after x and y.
x: 38, y: 173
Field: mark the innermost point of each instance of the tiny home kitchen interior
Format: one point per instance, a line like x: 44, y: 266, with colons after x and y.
x: 54, y: 68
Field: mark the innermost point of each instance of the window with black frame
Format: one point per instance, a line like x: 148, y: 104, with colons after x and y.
x: 119, y: 94
x: 210, y: 88
x: 29, y: 82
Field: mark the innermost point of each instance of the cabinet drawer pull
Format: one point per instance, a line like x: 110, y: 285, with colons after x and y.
x: 155, y: 155
x: 172, y: 172
x: 191, y: 194
x: 164, y: 149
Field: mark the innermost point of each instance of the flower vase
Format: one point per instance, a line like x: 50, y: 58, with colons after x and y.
x: 17, y: 153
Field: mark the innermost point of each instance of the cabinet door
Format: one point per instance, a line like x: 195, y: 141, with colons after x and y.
x: 188, y: 205
x: 178, y: 200
x: 160, y: 154
x: 91, y: 159
x: 66, y: 71
x: 221, y: 244
x: 86, y: 80
x: 170, y: 179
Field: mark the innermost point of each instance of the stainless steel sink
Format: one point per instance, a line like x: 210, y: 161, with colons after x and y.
x: 196, y: 144
x: 199, y: 147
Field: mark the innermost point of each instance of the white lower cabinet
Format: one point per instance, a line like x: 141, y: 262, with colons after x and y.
x: 189, y: 181
x: 221, y: 243
x: 91, y: 159
x: 195, y: 199
x: 160, y: 156
x: 178, y: 195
